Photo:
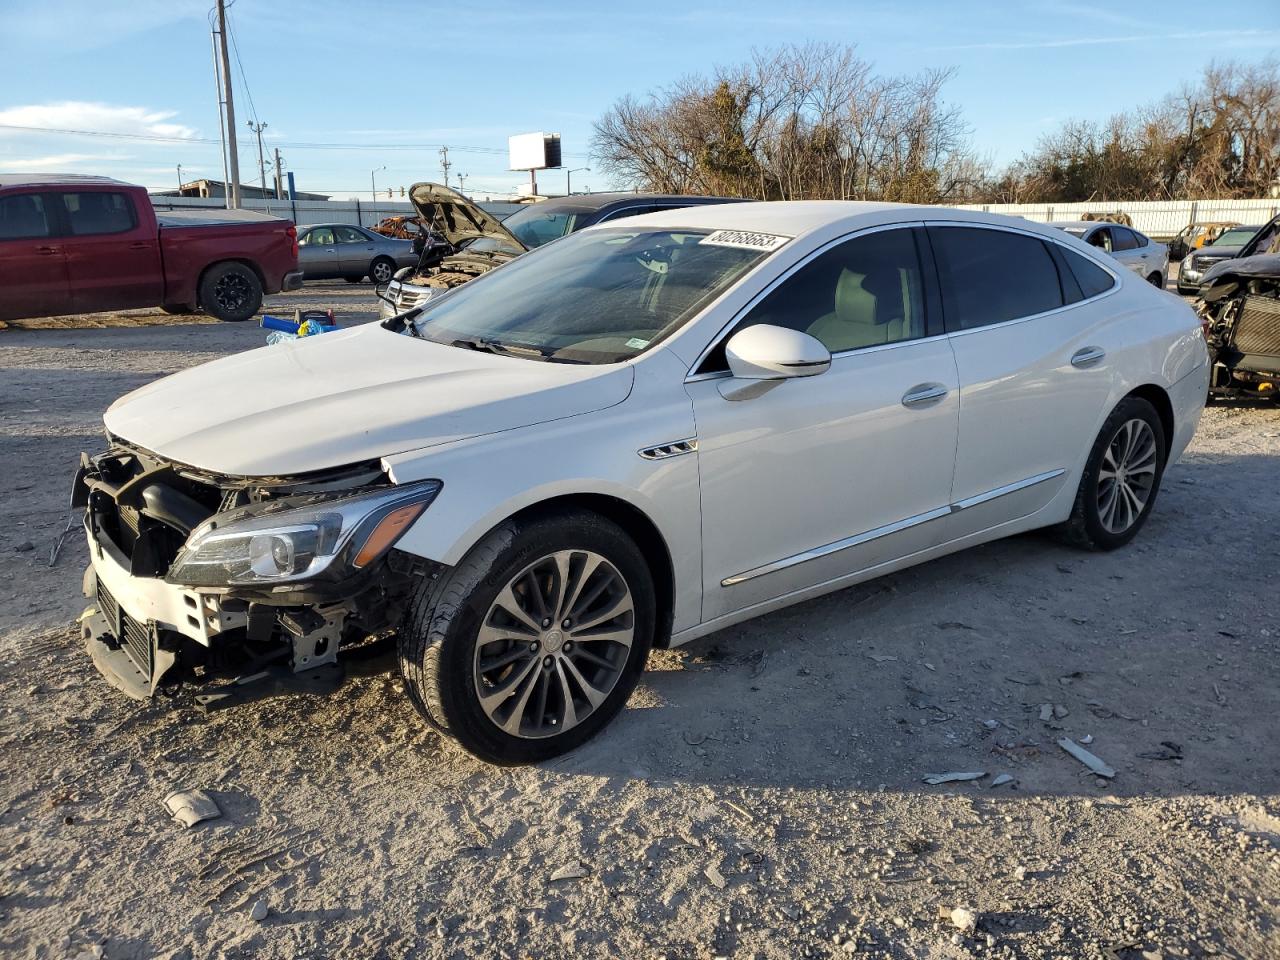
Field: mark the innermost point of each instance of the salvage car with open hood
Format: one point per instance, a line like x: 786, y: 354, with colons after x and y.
x: 634, y: 436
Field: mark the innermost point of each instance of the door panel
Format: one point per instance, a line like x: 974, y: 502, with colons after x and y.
x: 318, y: 254
x: 33, y: 268
x: 113, y: 258
x: 820, y: 460
x: 355, y: 251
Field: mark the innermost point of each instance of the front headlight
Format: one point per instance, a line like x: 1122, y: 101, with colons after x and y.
x: 299, y: 539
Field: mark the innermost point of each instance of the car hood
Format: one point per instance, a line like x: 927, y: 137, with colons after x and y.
x: 1261, y: 266
x: 348, y: 397
x: 1216, y: 253
x: 456, y: 218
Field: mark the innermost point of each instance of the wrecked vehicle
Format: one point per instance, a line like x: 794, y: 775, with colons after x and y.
x: 1227, y: 246
x: 632, y: 437
x: 478, y: 242
x: 1239, y: 308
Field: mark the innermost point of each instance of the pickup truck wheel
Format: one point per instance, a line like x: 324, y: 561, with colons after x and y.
x: 534, y: 641
x: 230, y: 291
x: 381, y: 269
x: 1121, y: 478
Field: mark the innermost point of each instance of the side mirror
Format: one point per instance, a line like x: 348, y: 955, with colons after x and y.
x: 766, y: 352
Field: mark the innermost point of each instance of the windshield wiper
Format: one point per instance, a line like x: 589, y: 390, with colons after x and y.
x: 489, y: 345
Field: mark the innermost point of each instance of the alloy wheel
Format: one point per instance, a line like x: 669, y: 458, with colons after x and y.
x: 381, y: 272
x: 553, y: 644
x: 232, y: 292
x: 1126, y: 475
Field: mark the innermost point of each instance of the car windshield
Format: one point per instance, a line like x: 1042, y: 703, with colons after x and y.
x: 598, y: 296
x: 534, y: 227
x: 1234, y: 238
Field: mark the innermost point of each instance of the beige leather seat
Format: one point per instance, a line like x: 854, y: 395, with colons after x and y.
x: 868, y: 310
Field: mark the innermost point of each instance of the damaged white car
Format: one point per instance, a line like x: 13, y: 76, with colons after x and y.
x: 631, y: 437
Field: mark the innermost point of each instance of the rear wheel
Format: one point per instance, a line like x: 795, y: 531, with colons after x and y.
x: 1156, y: 280
x: 230, y: 291
x: 1121, y: 478
x: 381, y: 269
x: 534, y: 642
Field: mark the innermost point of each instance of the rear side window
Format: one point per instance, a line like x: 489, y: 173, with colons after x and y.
x: 1092, y: 278
x: 1122, y: 239
x: 23, y: 215
x: 98, y: 213
x: 350, y: 235
x: 990, y: 276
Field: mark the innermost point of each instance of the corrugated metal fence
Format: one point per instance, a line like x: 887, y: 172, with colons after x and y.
x: 1160, y: 219
x: 302, y: 212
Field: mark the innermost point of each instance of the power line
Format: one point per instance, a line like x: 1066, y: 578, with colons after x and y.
x: 295, y: 145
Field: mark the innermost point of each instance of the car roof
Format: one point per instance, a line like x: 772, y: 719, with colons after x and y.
x: 1087, y: 224
x: 312, y: 226
x: 593, y: 202
x: 793, y: 218
x: 58, y: 179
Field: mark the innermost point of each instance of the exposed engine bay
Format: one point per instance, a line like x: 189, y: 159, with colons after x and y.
x: 1239, y: 309
x: 180, y: 595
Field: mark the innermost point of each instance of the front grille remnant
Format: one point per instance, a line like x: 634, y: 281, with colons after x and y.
x: 134, y: 636
x: 1257, y: 331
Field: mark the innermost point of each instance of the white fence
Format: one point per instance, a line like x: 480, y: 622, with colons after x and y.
x: 1160, y: 219
x: 302, y: 212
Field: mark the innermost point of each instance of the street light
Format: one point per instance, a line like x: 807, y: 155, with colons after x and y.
x: 568, y: 174
x: 373, y: 186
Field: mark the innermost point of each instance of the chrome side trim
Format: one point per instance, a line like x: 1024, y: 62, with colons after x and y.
x: 827, y: 549
x: 858, y: 539
x: 1008, y: 488
x: 675, y: 448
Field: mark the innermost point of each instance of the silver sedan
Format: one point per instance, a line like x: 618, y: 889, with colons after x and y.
x: 329, y: 250
x: 1144, y: 256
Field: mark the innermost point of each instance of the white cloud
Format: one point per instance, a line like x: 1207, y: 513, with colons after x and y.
x: 104, y: 117
x: 58, y: 161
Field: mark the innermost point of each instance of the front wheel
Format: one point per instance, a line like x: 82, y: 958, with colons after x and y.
x: 1156, y: 280
x: 381, y: 269
x: 230, y: 291
x: 1121, y: 478
x: 534, y: 642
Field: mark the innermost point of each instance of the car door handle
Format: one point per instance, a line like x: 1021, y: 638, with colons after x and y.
x: 1087, y: 356
x: 923, y: 393
x: 139, y: 245
x: 47, y: 251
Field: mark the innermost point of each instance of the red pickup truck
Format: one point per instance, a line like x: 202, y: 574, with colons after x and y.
x: 80, y: 244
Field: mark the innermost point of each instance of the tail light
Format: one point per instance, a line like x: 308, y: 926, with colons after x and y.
x: 292, y: 233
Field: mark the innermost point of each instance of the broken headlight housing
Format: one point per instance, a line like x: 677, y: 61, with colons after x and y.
x: 299, y: 539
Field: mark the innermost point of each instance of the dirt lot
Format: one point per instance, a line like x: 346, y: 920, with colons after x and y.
x: 761, y: 797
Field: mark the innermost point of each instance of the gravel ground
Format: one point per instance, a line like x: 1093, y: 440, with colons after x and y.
x: 762, y: 795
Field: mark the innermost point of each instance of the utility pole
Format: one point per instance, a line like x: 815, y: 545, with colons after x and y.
x: 233, y: 156
x: 222, y: 123
x: 462, y: 181
x: 373, y: 184
x: 568, y: 174
x: 445, y: 164
x: 262, y: 165
x: 279, y: 177
x: 179, y: 179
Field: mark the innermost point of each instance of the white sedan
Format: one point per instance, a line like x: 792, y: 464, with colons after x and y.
x: 629, y: 438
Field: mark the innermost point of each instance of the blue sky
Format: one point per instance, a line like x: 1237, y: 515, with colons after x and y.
x: 385, y: 73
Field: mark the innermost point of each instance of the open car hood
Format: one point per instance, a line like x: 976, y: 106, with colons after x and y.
x: 1264, y: 266
x: 456, y: 218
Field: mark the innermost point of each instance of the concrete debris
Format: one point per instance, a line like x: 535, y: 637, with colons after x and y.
x: 1087, y: 758
x: 715, y: 877
x: 1020, y: 873
x: 1046, y: 712
x: 24, y: 547
x: 574, y: 870
x: 1059, y: 711
x: 953, y: 777
x: 190, y: 807
x: 258, y: 912
x: 991, y: 724
x: 964, y: 920
x: 1001, y: 780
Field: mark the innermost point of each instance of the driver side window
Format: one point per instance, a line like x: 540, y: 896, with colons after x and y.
x: 865, y: 292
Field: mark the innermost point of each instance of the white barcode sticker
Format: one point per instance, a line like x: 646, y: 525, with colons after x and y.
x: 744, y: 239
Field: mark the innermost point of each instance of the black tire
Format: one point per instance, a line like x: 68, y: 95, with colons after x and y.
x: 230, y: 291
x: 177, y: 309
x: 1156, y: 280
x: 382, y: 269
x: 353, y: 279
x: 438, y: 638
x: 1085, y: 527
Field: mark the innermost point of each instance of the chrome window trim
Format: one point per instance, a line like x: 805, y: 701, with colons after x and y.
x: 777, y: 281
x: 826, y: 550
x: 1110, y: 291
